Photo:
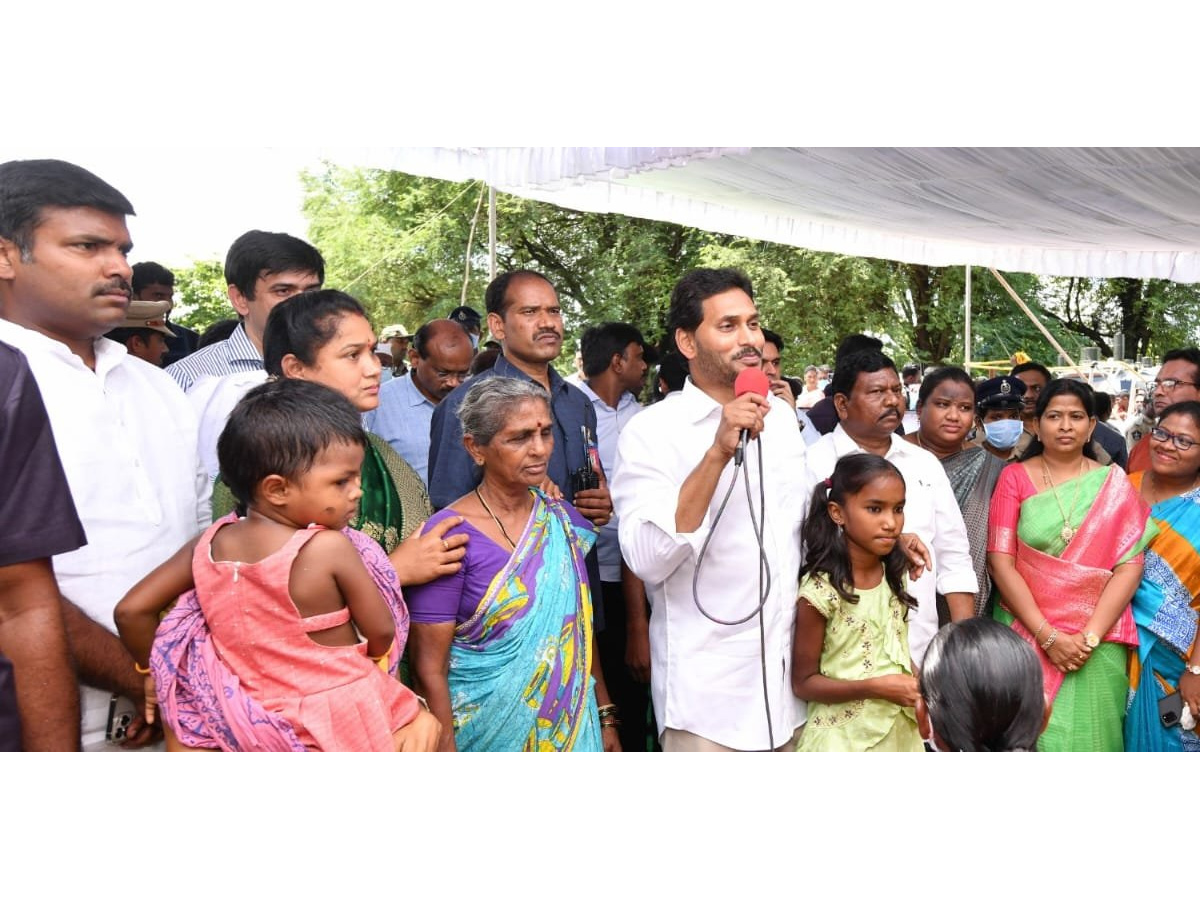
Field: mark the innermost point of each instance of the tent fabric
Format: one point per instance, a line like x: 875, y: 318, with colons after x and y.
x: 1095, y: 212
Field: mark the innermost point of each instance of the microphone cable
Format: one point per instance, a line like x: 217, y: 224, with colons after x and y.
x: 764, y: 574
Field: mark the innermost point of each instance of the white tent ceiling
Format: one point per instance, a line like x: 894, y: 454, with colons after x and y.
x: 1099, y: 212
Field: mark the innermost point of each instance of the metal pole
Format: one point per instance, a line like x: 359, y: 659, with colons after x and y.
x: 1034, y: 319
x: 967, y: 325
x: 491, y: 233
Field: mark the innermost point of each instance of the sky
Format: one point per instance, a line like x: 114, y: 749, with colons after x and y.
x: 192, y: 203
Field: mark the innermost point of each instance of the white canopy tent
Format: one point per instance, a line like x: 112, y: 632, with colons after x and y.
x: 1095, y: 212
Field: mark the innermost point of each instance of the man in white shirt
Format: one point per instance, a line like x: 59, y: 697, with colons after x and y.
x: 124, y: 430
x: 674, y: 468
x: 870, y: 402
x: 439, y: 361
x: 262, y: 269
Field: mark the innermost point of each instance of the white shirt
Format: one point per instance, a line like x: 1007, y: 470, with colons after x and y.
x: 706, y: 678
x: 609, y: 425
x: 930, y: 512
x: 127, y: 439
x: 213, y: 398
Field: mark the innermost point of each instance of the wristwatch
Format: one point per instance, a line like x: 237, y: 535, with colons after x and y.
x: 1195, y: 670
x: 1091, y: 639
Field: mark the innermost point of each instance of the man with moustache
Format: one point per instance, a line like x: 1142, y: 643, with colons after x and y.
x: 124, y: 431
x: 674, y: 469
x: 439, y: 361
x: 524, y: 314
x: 1178, y: 379
x: 870, y: 403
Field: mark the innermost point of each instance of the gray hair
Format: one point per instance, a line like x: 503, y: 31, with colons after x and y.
x: 489, y: 402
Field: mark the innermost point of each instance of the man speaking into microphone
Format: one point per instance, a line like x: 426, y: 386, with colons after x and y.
x: 718, y: 681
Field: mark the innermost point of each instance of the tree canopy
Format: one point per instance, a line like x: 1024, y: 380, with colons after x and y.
x: 413, y: 248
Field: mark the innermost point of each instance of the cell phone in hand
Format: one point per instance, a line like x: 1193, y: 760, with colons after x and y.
x: 1170, y: 708
x: 121, y: 713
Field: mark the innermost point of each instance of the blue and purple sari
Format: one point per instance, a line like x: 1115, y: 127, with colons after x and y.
x: 520, y: 668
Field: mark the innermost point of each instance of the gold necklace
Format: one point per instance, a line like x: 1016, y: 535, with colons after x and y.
x: 1067, y: 531
x: 499, y: 524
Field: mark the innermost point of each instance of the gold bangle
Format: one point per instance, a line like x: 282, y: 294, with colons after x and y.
x: 1050, y: 640
x: 1038, y: 634
x: 141, y: 670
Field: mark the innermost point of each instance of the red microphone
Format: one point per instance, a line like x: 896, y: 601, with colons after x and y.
x: 749, y: 381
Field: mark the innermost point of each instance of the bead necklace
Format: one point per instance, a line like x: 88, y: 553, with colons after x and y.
x: 499, y: 524
x: 1067, y: 531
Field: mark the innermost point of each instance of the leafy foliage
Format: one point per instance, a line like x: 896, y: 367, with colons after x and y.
x: 202, y: 293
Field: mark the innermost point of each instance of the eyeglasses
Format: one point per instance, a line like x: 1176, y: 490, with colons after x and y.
x: 1181, y: 441
x: 1168, y: 384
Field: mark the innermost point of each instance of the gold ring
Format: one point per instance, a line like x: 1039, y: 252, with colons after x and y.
x: 445, y: 547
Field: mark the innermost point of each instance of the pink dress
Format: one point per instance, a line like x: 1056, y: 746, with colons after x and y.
x: 336, y: 698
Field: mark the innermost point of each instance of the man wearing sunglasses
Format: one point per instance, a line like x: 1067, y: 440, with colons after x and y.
x: 1178, y: 380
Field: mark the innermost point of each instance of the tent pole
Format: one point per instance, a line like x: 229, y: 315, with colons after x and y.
x: 491, y: 233
x: 967, y: 324
x: 1034, y: 319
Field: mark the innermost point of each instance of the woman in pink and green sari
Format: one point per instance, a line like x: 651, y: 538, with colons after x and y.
x: 502, y: 650
x: 1066, y: 536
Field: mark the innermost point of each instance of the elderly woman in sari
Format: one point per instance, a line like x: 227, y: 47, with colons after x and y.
x: 1065, y: 544
x: 502, y: 650
x: 947, y: 407
x: 1166, y: 603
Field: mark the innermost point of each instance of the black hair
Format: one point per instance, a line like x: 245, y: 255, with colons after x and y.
x: 123, y: 335
x: 1032, y: 367
x: 673, y: 369
x: 29, y: 186
x: 600, y: 343
x: 484, y: 360
x: 259, y: 253
x: 217, y: 331
x: 495, y: 298
x: 687, y: 299
x: 848, y: 368
x: 855, y: 343
x: 773, y: 337
x: 1103, y: 405
x: 982, y: 686
x: 302, y: 324
x: 825, y: 542
x: 279, y: 428
x: 1189, y: 408
x: 945, y: 373
x: 1188, y: 355
x: 1055, y: 388
x: 148, y: 273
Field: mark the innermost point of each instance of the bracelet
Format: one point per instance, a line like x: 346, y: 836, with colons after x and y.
x: 1038, y: 634
x: 610, y: 723
x: 607, y: 708
x: 1050, y: 640
x: 141, y: 670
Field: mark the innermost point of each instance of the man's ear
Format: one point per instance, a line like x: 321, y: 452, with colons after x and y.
x: 238, y: 300
x: 274, y: 489
x: 9, y: 256
x: 840, y: 404
x: 686, y: 342
x: 413, y: 357
x: 496, y: 326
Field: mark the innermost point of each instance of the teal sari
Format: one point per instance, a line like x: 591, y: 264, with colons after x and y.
x: 520, y: 668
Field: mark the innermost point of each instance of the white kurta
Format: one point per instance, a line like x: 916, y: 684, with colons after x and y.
x: 707, y: 678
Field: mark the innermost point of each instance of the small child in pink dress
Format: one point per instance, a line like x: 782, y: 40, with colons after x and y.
x: 291, y: 608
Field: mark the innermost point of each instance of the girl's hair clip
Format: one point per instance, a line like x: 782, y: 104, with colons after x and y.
x: 828, y: 483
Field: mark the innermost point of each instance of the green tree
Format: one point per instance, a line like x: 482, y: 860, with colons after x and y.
x: 202, y: 295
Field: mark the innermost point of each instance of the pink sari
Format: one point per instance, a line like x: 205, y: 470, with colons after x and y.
x: 1068, y: 586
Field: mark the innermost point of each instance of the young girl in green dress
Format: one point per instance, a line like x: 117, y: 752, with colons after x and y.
x: 850, y: 656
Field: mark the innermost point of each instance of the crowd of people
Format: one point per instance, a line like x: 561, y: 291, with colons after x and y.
x: 297, y: 532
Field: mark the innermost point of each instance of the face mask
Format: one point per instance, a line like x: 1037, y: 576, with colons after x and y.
x: 474, y: 342
x: 1004, y: 433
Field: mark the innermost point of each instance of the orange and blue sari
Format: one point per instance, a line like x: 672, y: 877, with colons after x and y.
x: 520, y: 668
x: 1166, y: 608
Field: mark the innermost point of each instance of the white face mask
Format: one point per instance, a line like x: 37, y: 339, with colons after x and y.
x: 1003, y: 434
x: 474, y: 342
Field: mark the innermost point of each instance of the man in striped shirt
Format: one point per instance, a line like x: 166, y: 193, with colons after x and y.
x: 262, y: 269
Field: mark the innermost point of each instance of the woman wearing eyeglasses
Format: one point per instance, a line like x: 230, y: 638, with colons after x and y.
x: 1165, y: 605
x: 1065, y: 542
